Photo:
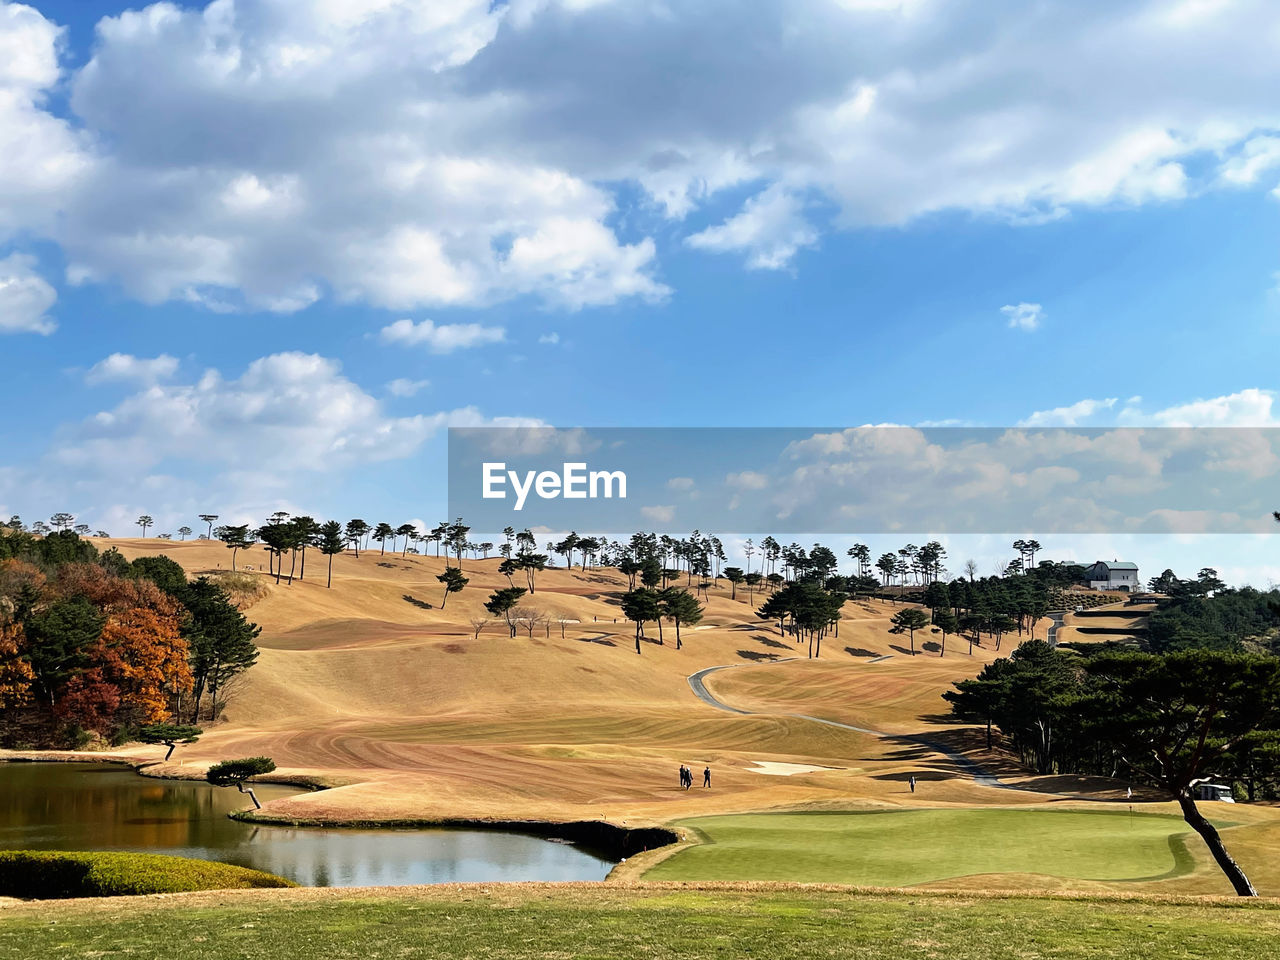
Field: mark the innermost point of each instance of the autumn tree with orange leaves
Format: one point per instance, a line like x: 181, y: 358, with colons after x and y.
x: 15, y: 672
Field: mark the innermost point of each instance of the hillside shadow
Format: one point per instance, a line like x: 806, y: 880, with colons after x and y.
x: 860, y: 652
x: 603, y: 640
x: 931, y: 646
x: 597, y: 578
x: 943, y: 718
x: 757, y: 656
x: 420, y: 604
x: 770, y: 642
x: 902, y: 650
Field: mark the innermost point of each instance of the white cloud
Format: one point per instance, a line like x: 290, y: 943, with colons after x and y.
x: 41, y: 157
x: 241, y: 445
x: 25, y: 297
x: 1073, y: 415
x: 771, y: 229
x: 1023, y: 316
x: 268, y: 153
x: 747, y: 480
x: 287, y: 411
x: 1247, y: 408
x: 444, y: 338
x: 658, y: 514
x: 682, y: 484
x: 1255, y: 158
x: 1251, y: 407
x: 126, y: 367
x: 404, y: 387
x: 549, y: 338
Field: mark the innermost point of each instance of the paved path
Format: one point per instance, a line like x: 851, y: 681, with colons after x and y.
x: 966, y: 766
x: 1056, y: 616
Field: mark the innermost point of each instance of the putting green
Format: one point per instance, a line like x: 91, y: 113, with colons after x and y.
x: 900, y: 848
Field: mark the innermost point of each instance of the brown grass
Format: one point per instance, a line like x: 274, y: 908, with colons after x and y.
x: 356, y: 685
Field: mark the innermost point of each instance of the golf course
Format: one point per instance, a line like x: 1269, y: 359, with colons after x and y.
x: 842, y: 769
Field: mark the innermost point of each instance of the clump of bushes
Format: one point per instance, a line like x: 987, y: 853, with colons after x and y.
x: 1070, y: 599
x: 55, y: 875
x: 244, y: 589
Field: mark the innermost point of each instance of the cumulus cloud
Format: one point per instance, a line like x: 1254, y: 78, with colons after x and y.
x: 1023, y: 316
x: 658, y: 514
x: 125, y: 367
x: 1073, y: 415
x: 244, y: 442
x: 269, y: 153
x: 444, y: 338
x: 549, y: 338
x: 404, y: 387
x: 1256, y: 157
x: 1247, y: 408
x: 1251, y: 407
x: 747, y: 480
x: 770, y: 229
x: 25, y: 297
x: 287, y: 412
x: 41, y: 157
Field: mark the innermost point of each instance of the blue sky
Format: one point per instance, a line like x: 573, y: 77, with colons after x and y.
x: 611, y: 216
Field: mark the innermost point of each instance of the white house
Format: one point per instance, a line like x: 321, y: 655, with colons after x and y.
x: 1113, y: 575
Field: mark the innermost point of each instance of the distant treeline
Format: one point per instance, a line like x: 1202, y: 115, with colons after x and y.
x: 1229, y: 620
x: 1044, y: 701
x: 91, y: 643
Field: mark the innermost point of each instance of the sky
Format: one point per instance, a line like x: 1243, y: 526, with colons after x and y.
x: 261, y: 254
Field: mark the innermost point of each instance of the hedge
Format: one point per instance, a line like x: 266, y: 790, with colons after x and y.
x: 53, y: 875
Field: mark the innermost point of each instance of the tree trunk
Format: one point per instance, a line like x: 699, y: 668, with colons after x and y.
x: 329, y: 583
x: 1209, y: 834
x: 252, y: 796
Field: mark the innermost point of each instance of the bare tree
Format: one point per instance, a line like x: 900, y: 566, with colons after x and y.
x: 478, y: 624
x: 530, y: 618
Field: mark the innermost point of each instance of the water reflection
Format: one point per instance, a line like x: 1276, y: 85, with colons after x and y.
x: 84, y: 806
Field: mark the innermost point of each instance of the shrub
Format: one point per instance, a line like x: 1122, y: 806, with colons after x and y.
x: 243, y: 589
x: 52, y: 875
x: 232, y: 773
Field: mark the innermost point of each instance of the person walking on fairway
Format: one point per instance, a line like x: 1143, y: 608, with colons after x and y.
x: 683, y: 774
x: 706, y: 778
x: 912, y: 780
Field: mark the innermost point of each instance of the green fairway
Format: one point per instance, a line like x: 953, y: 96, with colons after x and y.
x: 593, y: 921
x: 900, y: 848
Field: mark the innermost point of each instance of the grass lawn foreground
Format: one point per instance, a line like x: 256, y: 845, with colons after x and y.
x: 659, y: 921
x: 901, y: 848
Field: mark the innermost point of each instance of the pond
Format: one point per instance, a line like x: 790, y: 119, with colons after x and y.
x: 96, y: 806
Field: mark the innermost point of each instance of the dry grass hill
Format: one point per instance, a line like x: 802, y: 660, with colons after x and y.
x: 408, y: 715
x: 361, y: 685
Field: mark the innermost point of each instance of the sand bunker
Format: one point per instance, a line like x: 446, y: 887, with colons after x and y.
x: 773, y: 768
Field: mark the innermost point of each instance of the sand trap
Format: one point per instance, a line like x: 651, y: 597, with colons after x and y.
x: 773, y: 768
